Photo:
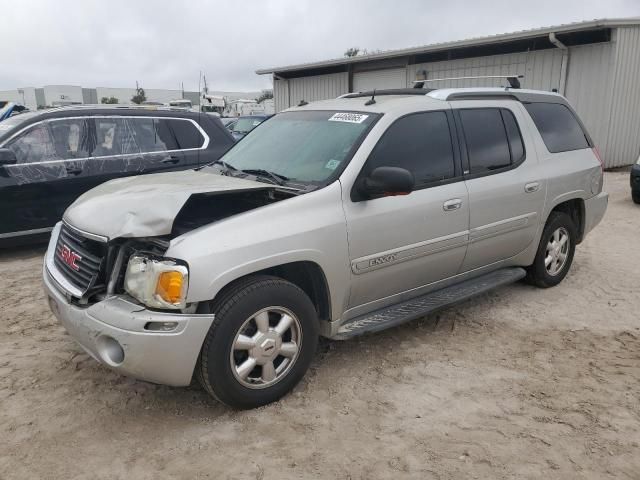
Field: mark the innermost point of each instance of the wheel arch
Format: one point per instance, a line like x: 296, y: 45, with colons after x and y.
x: 575, y: 208
x: 308, y: 275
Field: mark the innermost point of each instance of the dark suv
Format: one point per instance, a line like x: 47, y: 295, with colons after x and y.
x: 49, y: 158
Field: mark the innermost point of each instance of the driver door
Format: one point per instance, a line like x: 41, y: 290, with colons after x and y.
x: 399, y: 244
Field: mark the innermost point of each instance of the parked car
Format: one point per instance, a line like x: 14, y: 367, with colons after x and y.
x: 635, y: 182
x: 49, y: 158
x: 244, y: 125
x: 337, y: 218
x: 9, y: 109
x: 229, y: 122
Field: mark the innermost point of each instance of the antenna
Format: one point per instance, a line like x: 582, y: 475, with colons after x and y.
x: 205, y: 89
x: 199, y: 111
x: 372, y: 100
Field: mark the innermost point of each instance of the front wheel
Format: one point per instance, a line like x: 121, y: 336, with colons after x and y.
x: 555, y: 252
x: 260, y: 344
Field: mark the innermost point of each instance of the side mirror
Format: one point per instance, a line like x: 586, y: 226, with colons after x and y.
x: 387, y: 182
x: 7, y: 157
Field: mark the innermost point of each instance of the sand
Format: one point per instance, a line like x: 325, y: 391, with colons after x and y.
x: 518, y: 383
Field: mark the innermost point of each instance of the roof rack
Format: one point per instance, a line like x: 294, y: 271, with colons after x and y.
x: 110, y: 106
x: 390, y: 91
x: 513, y: 80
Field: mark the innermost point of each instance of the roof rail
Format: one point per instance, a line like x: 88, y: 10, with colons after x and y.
x: 390, y: 91
x: 513, y: 80
x: 113, y: 106
x: 484, y: 93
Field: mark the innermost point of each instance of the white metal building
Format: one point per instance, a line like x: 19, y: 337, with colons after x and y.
x: 595, y: 64
x: 57, y: 95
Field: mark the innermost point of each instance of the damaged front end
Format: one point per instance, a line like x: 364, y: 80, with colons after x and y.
x: 206, y: 208
x: 90, y: 267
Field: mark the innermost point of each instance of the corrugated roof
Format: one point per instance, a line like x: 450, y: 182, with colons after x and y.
x: 491, y: 39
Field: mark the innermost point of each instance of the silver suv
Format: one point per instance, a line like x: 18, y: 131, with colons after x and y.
x: 336, y: 218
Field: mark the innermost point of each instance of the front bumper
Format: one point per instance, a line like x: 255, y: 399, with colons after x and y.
x: 113, y: 332
x: 595, y: 208
x: 635, y: 179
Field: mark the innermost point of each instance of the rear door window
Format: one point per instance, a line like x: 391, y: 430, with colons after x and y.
x: 558, y: 127
x: 420, y: 143
x: 516, y: 145
x: 116, y: 136
x: 486, y: 139
x: 153, y: 134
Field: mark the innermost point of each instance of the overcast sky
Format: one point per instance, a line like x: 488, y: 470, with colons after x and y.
x: 162, y: 43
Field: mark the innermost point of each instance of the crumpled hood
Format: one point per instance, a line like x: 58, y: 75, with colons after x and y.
x: 146, y: 205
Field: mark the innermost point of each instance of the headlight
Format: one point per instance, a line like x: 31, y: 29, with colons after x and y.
x: 158, y: 283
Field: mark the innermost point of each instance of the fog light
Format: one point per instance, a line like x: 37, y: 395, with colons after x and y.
x: 161, y: 326
x: 110, y: 351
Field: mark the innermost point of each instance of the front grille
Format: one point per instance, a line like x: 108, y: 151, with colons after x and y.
x: 79, y: 259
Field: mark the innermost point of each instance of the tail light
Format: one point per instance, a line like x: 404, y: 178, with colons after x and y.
x: 596, y: 152
x: 597, y: 181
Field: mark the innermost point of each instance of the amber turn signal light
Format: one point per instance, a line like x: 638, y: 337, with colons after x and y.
x: 169, y: 286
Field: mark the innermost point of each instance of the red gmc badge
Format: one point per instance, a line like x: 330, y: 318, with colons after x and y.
x: 70, y: 257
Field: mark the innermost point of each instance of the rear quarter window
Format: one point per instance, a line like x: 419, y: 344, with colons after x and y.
x: 186, y: 133
x: 558, y: 127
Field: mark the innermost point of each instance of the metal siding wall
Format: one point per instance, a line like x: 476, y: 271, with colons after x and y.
x: 320, y: 87
x: 541, y: 69
x: 589, y: 89
x: 623, y: 145
x: 379, y: 79
x: 281, y: 94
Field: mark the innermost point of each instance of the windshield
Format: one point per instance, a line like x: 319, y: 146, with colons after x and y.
x: 15, y: 121
x: 304, y: 146
x: 244, y: 125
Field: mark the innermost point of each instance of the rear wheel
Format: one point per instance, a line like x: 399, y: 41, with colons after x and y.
x: 555, y: 252
x: 260, y: 344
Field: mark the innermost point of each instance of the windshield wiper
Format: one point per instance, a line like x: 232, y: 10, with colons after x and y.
x: 274, y: 177
x: 224, y: 164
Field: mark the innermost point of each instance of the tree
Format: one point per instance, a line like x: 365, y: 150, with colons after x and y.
x: 264, y: 96
x: 109, y: 100
x: 355, y: 51
x: 140, y: 96
x: 352, y: 52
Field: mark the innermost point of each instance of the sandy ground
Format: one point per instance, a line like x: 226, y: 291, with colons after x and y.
x: 519, y: 383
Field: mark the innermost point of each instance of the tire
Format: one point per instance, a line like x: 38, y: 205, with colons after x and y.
x: 636, y: 197
x: 268, y: 361
x: 545, y: 275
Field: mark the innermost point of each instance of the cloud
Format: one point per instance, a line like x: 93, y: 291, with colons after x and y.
x: 161, y: 43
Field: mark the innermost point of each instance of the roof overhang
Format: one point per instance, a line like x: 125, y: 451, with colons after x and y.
x: 492, y: 39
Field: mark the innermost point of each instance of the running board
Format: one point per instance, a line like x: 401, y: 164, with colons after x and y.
x: 421, y: 306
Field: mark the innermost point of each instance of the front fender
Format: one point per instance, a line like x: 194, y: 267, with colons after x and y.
x: 307, y: 228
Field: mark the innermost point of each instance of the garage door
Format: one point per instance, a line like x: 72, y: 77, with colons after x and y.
x: 379, y: 79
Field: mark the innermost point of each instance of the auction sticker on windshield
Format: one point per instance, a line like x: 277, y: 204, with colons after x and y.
x: 348, y: 117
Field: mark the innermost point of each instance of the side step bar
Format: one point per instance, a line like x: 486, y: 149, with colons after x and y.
x: 421, y: 306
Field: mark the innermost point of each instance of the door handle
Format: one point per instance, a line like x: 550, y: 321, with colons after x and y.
x: 453, y: 204
x: 171, y: 159
x: 532, y: 187
x: 73, y: 170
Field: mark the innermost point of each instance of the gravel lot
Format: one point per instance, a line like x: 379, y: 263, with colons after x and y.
x: 519, y: 383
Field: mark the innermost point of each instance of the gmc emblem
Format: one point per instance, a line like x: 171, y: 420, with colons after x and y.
x: 70, y: 257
